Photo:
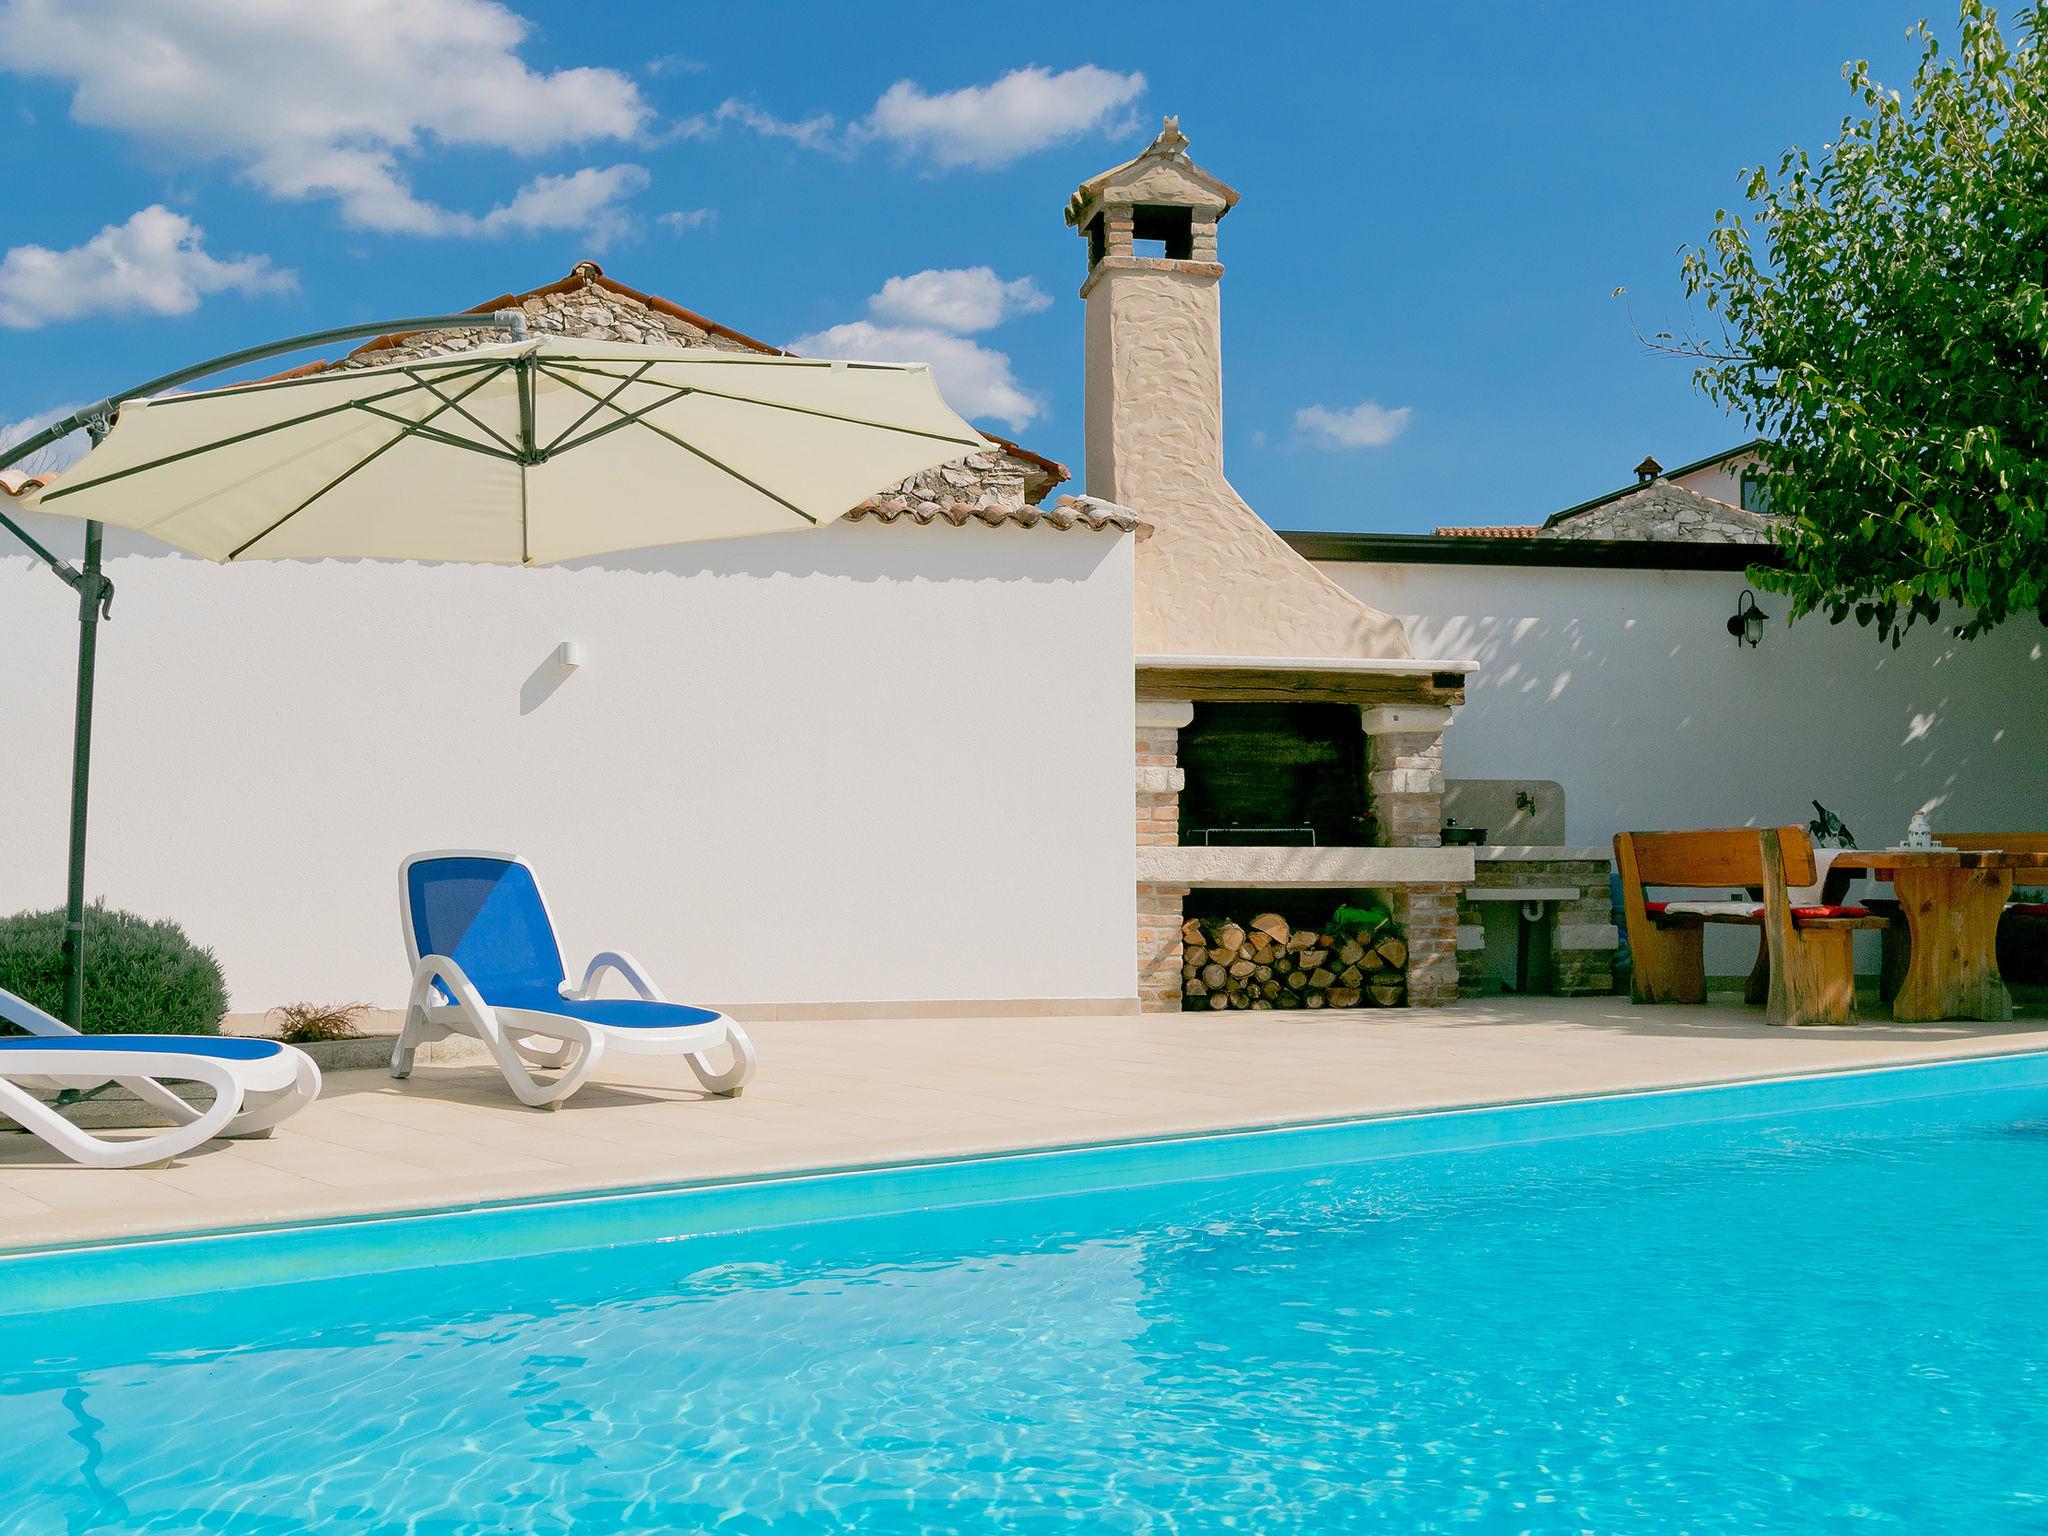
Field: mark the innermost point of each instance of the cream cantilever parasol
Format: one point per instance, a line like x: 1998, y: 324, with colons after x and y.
x: 516, y: 454
x: 539, y: 451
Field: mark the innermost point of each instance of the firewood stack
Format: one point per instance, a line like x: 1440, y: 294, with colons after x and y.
x: 1265, y: 964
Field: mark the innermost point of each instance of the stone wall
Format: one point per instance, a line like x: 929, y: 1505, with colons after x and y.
x: 1160, y: 907
x: 1405, y: 770
x: 1583, y: 937
x: 1670, y: 514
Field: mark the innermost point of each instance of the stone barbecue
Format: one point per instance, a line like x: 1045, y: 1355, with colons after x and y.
x: 1313, y: 732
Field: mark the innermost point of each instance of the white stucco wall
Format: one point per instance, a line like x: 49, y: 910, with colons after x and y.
x: 1625, y: 687
x: 865, y: 765
x: 1722, y: 480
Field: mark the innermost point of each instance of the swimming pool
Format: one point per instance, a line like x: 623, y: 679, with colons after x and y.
x: 1809, y: 1306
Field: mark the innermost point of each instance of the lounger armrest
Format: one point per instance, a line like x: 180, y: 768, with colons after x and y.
x: 26, y: 1016
x: 627, y: 967
x: 440, y: 969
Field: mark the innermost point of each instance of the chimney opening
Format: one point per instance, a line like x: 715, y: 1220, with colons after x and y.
x: 1163, y: 232
x: 1098, y: 242
x: 1648, y: 470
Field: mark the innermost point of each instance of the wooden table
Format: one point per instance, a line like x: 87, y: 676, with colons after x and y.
x: 1951, y: 901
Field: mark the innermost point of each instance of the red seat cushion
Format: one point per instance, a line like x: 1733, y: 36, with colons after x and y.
x: 1804, y: 914
x: 2029, y: 908
x: 1654, y: 908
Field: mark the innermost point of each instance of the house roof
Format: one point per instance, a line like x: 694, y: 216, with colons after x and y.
x: 1665, y: 513
x: 1492, y: 531
x: 1668, y: 474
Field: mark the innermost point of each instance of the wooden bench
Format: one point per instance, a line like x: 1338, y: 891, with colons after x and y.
x: 1805, y: 971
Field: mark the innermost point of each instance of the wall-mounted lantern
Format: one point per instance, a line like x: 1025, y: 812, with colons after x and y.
x: 1747, y: 624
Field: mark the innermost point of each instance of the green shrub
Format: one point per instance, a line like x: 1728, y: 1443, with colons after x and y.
x: 310, y: 1023
x: 141, y: 977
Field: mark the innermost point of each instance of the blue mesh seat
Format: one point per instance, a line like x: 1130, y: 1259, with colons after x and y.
x: 481, y: 943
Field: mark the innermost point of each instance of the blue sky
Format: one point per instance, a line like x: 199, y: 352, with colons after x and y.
x: 1438, y: 200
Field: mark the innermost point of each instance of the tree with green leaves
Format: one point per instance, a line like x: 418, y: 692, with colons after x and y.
x: 1884, y: 310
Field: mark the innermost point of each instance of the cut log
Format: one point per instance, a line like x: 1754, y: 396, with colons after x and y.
x: 1314, y: 958
x: 1389, y: 994
x: 1215, y: 975
x: 1230, y: 936
x: 1272, y: 925
x: 1269, y: 989
x: 1350, y: 951
x: 1219, y: 999
x: 1350, y: 976
x: 1242, y: 968
x: 1394, y: 951
x: 1193, y: 954
x: 1297, y: 942
x: 1195, y: 988
x: 1262, y: 973
x: 1191, y: 931
x: 1317, y: 1000
x: 1373, y: 960
x: 1320, y: 980
x: 1344, y: 997
x: 1297, y: 979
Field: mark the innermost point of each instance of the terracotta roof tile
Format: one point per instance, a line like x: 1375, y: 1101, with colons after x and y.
x: 16, y: 483
x: 1067, y: 512
x: 1491, y: 531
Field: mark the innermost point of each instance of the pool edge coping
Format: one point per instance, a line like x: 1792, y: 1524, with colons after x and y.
x: 771, y: 1179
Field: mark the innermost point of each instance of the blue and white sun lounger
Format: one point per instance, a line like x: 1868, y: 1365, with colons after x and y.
x: 485, y: 962
x: 255, y: 1084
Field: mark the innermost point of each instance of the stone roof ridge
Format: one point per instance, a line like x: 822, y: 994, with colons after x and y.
x: 1663, y: 512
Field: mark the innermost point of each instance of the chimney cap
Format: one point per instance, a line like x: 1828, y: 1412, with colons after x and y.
x: 1162, y: 174
x: 1649, y: 469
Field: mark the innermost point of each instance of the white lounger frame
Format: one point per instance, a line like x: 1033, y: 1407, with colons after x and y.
x: 249, y: 1097
x: 519, y: 1038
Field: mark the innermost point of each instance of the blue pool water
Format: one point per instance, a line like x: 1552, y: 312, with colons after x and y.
x: 1806, y: 1319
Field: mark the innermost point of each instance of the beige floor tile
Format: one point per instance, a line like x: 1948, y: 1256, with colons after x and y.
x: 850, y: 1092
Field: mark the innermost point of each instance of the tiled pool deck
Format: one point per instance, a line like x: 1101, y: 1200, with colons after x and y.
x: 846, y: 1093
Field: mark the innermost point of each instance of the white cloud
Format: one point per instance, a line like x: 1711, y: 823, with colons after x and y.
x: 682, y: 220
x: 154, y: 264
x: 988, y: 126
x: 956, y: 299
x: 1365, y: 425
x: 326, y: 101
x: 983, y: 126
x: 919, y: 319
x: 975, y: 380
x: 59, y: 455
x: 819, y: 132
x: 586, y: 201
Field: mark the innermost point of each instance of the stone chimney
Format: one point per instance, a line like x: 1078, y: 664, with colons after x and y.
x: 1213, y: 578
